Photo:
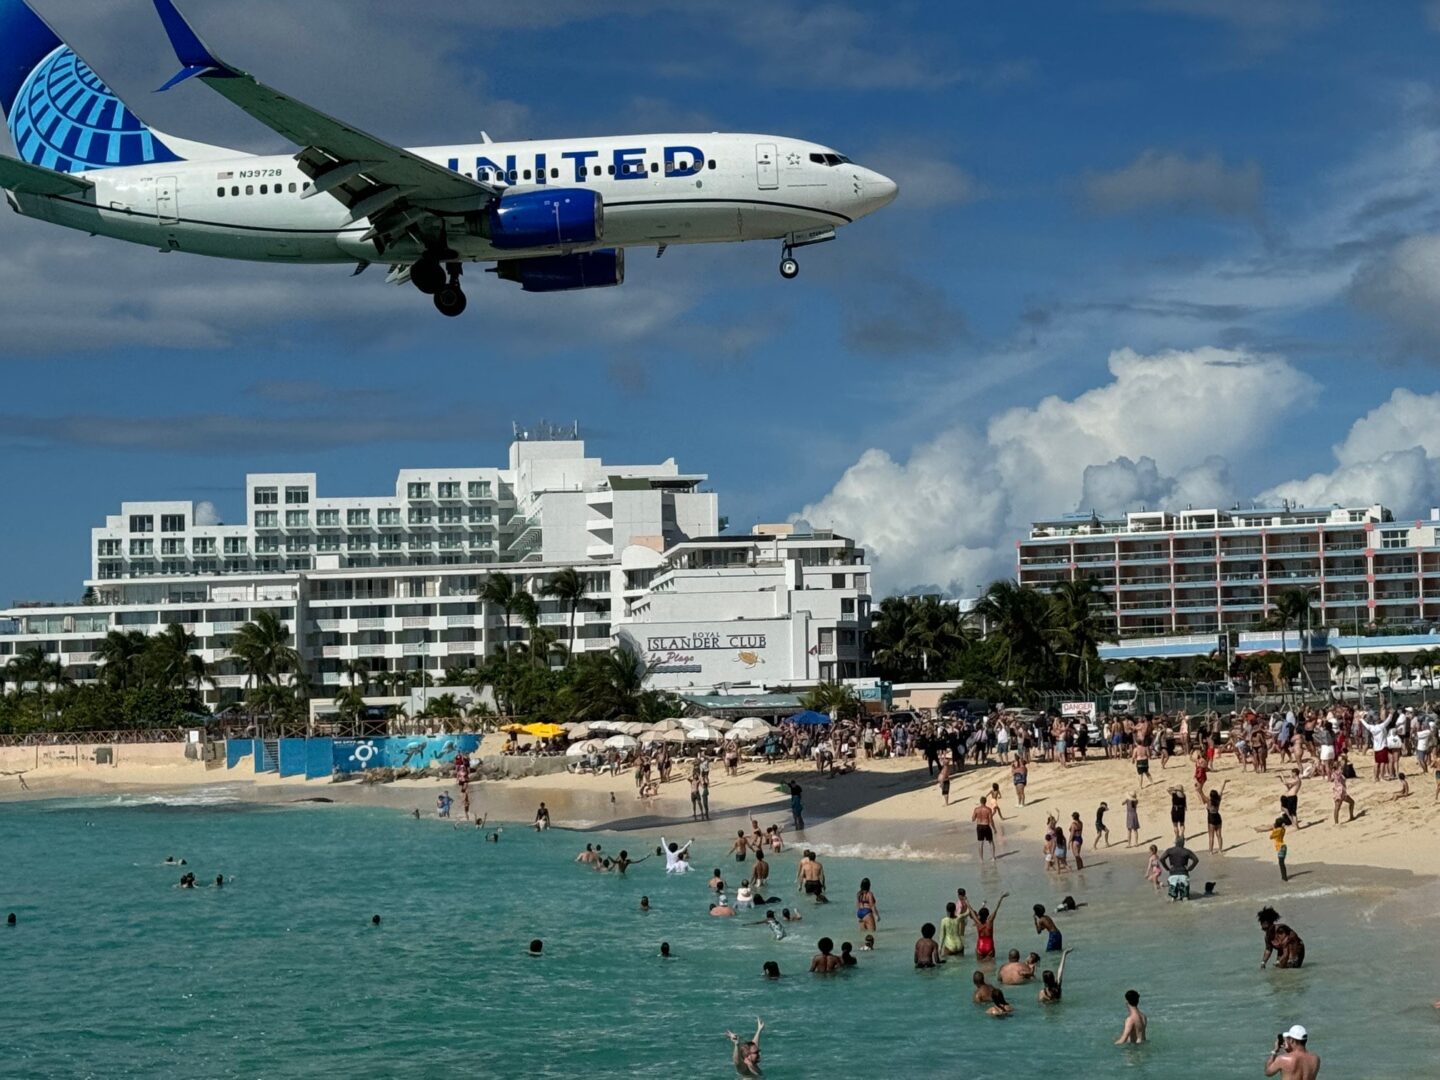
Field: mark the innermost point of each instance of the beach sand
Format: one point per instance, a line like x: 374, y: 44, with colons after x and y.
x: 884, y: 805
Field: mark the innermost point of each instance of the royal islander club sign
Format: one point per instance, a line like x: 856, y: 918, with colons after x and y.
x: 693, y: 652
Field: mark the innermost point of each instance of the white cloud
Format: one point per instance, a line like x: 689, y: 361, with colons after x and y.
x: 1391, y: 455
x: 1401, y: 287
x: 1176, y: 183
x: 206, y: 514
x: 951, y: 513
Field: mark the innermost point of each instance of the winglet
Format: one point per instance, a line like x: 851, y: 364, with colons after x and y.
x: 193, y: 53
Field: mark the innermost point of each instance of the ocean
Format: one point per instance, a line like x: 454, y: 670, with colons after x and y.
x: 114, y: 972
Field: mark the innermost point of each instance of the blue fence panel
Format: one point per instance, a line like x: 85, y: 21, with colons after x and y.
x: 357, y: 755
x: 267, y: 755
x: 319, y: 758
x: 400, y: 751
x: 292, y: 757
x: 236, y: 750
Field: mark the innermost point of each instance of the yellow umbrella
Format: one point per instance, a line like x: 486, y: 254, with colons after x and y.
x: 544, y: 731
x: 514, y: 729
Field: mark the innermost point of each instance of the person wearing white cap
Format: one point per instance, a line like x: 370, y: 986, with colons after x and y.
x: 1291, y: 1059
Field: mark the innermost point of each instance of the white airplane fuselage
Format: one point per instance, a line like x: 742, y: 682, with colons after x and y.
x: 658, y: 189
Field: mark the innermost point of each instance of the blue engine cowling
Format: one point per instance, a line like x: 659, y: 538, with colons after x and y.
x: 528, y: 219
x: 557, y: 273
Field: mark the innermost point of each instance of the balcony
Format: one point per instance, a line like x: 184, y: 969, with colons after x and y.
x: 415, y: 622
x: 369, y: 650
x: 1241, y: 553
x: 369, y: 624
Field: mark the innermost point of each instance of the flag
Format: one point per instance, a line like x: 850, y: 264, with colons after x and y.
x: 225, y: 176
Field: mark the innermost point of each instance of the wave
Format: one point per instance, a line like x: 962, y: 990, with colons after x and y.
x: 218, y: 796
x: 876, y: 851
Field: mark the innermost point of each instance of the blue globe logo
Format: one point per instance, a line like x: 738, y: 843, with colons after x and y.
x: 65, y: 118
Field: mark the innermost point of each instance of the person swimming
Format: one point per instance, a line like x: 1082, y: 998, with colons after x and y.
x: 645, y: 904
x: 537, y: 947
x: 374, y: 920
x: 665, y: 951
x: 1044, y: 924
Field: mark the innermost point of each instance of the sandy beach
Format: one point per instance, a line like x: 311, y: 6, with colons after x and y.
x: 886, y: 806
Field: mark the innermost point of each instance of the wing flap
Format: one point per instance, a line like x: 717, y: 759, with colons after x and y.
x: 30, y: 179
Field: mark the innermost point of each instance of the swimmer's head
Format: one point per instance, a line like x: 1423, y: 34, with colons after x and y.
x: 869, y: 941
x: 1048, y: 978
x: 374, y: 920
x: 771, y: 969
x: 785, y: 912
x: 644, y: 902
x: 983, y: 914
x: 978, y: 978
x: 664, y: 948
x: 950, y: 909
x: 1132, y: 997
x: 1014, y: 956
x: 846, y: 947
x: 536, y: 946
x: 928, y: 930
x: 10, y: 919
x: 1033, y: 958
x: 1039, y: 910
x: 1267, y: 916
x: 674, y: 847
x: 825, y: 945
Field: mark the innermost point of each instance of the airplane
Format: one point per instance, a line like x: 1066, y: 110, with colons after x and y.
x: 552, y: 215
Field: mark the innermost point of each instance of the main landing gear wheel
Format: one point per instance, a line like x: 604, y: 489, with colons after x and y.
x: 789, y: 268
x: 428, y: 276
x: 450, y: 299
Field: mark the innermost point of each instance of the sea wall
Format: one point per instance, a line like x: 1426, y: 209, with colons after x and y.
x: 325, y: 757
x: 92, y: 756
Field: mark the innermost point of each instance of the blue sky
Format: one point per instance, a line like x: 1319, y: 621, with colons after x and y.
x: 1146, y: 252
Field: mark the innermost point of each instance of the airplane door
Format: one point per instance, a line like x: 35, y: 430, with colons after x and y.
x: 767, y: 165
x: 167, y: 209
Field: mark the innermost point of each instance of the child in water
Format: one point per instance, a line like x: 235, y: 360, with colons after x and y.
x: 1152, y: 869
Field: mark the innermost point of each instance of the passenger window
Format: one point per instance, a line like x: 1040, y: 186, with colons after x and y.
x: 512, y: 176
x: 612, y: 169
x: 712, y: 163
x: 654, y: 168
x: 249, y: 189
x: 597, y: 170
x: 264, y: 189
x: 235, y: 190
x: 554, y: 174
x: 292, y: 189
x: 220, y: 192
x: 527, y: 174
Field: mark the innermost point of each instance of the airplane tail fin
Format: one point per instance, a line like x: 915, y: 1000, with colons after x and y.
x: 62, y: 116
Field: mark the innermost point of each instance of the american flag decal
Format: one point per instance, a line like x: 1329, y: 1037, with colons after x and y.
x: 225, y: 176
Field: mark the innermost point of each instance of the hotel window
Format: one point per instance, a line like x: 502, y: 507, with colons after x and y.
x: 419, y: 516
x: 390, y: 542
x: 266, y: 544
x: 206, y: 566
x: 111, y: 571
x: 172, y: 547
x: 109, y: 548
x: 302, y: 563
x: 235, y: 566
x: 327, y: 543
x: 479, y: 489
x: 267, y: 566
x: 203, y: 545
x: 267, y: 519
x: 479, y: 540
x: 142, y: 569
x: 142, y: 523
x: 327, y: 519
x: 449, y: 515
x: 234, y: 545
x: 297, y: 519
x: 448, y: 490
x: 451, y: 541
x: 172, y: 523
x: 142, y: 547
x: 390, y: 517
x: 418, y: 491
x: 267, y: 496
x: 359, y: 543
x: 357, y: 517
x: 479, y: 514
x: 420, y: 542
x: 297, y: 543
x: 297, y: 496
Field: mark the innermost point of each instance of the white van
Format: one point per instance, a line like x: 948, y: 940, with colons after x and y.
x: 1124, y: 697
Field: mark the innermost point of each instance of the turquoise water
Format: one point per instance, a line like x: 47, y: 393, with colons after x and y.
x: 112, y: 972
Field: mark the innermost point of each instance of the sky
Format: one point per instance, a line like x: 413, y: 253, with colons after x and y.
x: 1146, y: 253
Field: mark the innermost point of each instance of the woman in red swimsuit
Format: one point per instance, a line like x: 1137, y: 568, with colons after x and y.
x: 985, y: 930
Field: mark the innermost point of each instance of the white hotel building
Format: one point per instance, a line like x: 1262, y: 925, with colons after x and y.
x: 392, y: 580
x: 1210, y: 571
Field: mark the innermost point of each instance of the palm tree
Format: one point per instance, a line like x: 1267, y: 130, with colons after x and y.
x: 1292, y: 608
x: 1080, y: 619
x: 1018, y: 618
x: 1387, y: 663
x: 119, y: 654
x: 35, y: 666
x: 358, y: 673
x: 500, y: 590
x: 917, y: 637
x: 1340, y: 665
x: 263, y: 647
x: 175, y: 658
x: 611, y: 686
x: 568, y: 586
x: 836, y: 700
x: 350, y: 702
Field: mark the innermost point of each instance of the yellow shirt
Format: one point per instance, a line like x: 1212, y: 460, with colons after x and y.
x: 1277, y: 834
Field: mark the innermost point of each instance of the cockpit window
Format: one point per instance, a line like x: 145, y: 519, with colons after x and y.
x: 829, y: 160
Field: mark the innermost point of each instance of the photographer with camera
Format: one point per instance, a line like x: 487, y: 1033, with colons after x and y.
x: 1291, y: 1059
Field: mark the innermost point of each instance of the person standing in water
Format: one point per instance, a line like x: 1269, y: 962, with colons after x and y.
x: 952, y: 932
x: 746, y: 1056
x: 1044, y: 924
x: 1213, y: 821
x: 985, y: 930
x: 1292, y: 1058
x: 984, y: 817
x: 1051, y: 981
x: 1135, y: 1020
x: 867, y: 909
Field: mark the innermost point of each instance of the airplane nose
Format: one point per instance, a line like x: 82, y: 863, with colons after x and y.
x: 882, y: 189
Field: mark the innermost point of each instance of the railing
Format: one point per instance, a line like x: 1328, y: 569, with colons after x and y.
x: 89, y: 738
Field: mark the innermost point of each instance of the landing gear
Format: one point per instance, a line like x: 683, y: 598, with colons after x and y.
x: 428, y: 275
x: 789, y: 268
x: 450, y: 297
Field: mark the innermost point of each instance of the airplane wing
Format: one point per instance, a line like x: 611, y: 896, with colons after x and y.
x: 372, y: 178
x: 36, y: 180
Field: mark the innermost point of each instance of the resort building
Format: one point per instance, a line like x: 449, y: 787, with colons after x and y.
x: 1205, y: 572
x: 392, y: 580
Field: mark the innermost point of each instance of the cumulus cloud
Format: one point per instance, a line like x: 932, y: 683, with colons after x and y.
x: 206, y: 514
x: 1401, y: 288
x: 1174, y: 183
x: 1390, y: 455
x: 952, y: 511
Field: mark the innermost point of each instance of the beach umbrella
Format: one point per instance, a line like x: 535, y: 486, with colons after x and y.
x: 705, y: 733
x: 587, y: 746
x: 543, y: 731
x: 700, y: 721
x: 809, y: 718
x: 629, y: 727
x: 667, y: 725
x: 656, y: 734
x: 752, y: 727
x: 577, y: 729
x: 621, y: 742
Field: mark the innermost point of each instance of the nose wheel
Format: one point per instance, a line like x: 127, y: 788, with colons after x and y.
x: 450, y: 297
x: 789, y: 268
